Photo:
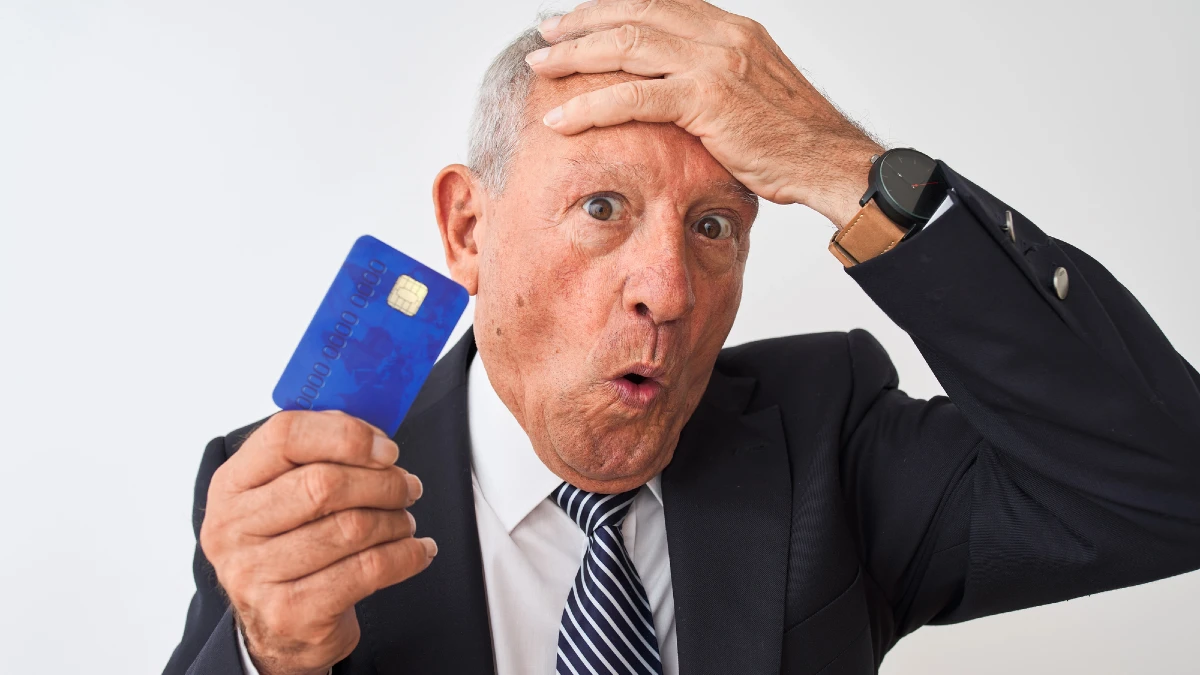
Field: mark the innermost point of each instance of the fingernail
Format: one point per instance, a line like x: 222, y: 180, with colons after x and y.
x: 549, y: 24
x: 553, y: 117
x: 537, y: 56
x: 430, y: 547
x: 415, y: 489
x: 384, y: 451
x: 581, y: 5
x: 412, y: 523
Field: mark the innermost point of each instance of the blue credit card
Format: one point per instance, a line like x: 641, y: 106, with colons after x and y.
x: 374, y: 338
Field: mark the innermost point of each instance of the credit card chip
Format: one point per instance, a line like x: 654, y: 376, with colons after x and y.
x: 407, y: 295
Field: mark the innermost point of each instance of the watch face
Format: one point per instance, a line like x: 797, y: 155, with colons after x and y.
x: 912, y: 183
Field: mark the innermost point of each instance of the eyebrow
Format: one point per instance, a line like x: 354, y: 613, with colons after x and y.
x: 591, y: 160
x: 736, y: 188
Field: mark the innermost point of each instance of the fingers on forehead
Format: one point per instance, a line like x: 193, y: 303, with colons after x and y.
x: 641, y: 100
x: 292, y: 438
x: 674, y: 15
x: 639, y: 50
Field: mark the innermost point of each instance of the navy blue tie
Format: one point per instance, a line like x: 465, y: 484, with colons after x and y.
x: 607, y: 626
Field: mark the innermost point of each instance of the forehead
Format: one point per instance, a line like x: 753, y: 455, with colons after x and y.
x: 649, y: 153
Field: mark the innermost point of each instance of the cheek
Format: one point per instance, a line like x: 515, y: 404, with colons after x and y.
x: 538, y: 295
x: 720, y: 271
x: 718, y: 296
x: 720, y: 257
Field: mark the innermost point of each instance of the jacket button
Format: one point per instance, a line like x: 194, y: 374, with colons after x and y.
x: 1061, y: 283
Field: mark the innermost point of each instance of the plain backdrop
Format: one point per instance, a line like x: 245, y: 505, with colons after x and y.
x: 179, y: 181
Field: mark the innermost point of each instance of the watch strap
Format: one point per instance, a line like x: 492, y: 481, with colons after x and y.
x: 868, y: 234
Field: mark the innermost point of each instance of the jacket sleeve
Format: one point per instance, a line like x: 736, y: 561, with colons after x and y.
x: 1066, y: 459
x: 209, y: 644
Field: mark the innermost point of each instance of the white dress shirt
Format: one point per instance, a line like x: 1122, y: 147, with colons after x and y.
x: 532, y: 549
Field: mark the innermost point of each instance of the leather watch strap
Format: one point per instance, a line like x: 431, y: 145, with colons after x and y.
x: 868, y: 234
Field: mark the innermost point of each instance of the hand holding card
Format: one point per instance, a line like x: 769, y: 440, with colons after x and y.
x: 310, y: 515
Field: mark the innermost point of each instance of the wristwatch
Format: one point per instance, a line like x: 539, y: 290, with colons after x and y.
x: 904, y: 189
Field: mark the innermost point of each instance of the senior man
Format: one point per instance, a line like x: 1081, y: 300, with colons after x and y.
x: 611, y: 492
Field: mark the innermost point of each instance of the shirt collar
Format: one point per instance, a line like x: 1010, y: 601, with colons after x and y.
x: 511, y: 476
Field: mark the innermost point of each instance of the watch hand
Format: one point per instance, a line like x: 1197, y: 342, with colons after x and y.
x: 917, y: 185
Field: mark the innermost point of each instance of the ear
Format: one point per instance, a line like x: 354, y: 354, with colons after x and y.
x: 458, y: 203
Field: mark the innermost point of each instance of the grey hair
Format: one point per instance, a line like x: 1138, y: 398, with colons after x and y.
x: 500, y: 109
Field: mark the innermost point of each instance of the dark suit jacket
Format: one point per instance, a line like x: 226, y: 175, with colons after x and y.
x: 815, y: 513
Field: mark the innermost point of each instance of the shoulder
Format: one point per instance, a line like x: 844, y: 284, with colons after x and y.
x: 816, y: 368
x: 820, y: 355
x: 761, y: 352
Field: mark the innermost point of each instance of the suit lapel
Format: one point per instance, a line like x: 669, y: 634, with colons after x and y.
x: 437, y: 621
x: 727, y: 500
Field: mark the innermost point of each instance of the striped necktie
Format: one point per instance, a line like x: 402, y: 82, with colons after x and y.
x: 607, y: 626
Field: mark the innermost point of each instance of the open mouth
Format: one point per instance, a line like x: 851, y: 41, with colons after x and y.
x: 637, y: 390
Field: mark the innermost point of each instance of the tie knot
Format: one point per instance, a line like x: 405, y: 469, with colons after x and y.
x: 590, y: 510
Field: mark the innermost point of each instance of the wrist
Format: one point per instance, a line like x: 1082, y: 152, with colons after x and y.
x: 837, y: 193
x: 255, y: 662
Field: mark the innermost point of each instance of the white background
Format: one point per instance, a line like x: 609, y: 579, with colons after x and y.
x: 178, y: 182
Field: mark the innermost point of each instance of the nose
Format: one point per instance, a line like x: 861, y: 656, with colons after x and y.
x: 659, y: 283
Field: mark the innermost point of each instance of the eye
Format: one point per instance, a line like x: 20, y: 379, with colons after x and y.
x: 602, y: 208
x: 714, y: 226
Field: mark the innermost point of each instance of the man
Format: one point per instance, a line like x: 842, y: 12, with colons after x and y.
x: 610, y: 491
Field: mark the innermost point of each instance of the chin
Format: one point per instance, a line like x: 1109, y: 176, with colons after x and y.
x: 613, y: 459
x: 610, y: 436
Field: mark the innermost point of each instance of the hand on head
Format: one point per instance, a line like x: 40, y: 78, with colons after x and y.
x: 721, y: 77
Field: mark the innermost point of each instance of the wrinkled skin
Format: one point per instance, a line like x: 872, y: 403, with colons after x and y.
x: 567, y: 303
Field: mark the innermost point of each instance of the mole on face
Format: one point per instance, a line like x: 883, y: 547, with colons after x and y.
x: 520, y: 301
